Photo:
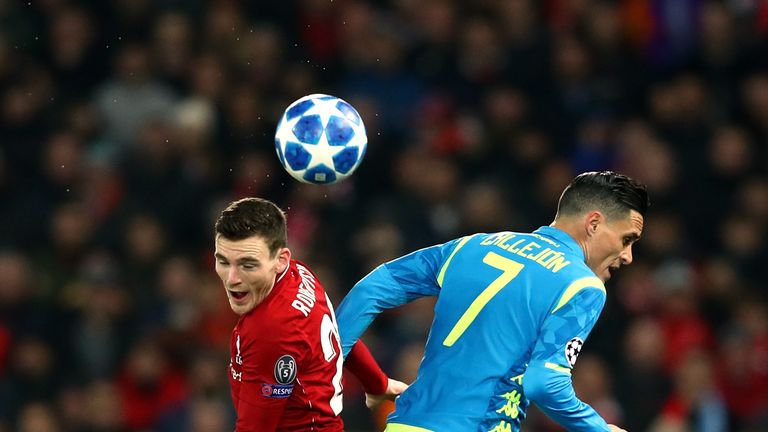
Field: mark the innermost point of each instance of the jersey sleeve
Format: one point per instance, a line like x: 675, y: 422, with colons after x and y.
x: 388, y: 286
x: 271, y: 363
x: 361, y: 363
x: 547, y: 380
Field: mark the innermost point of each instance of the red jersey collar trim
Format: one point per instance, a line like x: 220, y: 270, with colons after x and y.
x: 279, y: 278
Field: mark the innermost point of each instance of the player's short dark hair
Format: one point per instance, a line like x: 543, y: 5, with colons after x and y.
x: 250, y: 217
x: 611, y: 193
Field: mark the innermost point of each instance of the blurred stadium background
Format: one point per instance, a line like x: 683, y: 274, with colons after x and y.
x: 127, y: 125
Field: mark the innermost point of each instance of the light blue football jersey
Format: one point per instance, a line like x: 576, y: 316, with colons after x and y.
x: 512, y: 313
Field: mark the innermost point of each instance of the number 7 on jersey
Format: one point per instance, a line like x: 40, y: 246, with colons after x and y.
x: 510, y: 270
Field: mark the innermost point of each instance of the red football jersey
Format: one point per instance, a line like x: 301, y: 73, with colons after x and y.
x: 286, y: 364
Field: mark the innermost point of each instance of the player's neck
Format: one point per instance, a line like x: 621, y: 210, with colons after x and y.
x: 575, y: 229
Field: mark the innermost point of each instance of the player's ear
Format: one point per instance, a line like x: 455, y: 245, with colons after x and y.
x: 283, y: 259
x: 592, y: 221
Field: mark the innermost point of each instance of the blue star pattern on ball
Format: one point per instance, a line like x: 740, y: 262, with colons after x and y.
x: 339, y: 131
x: 296, y: 156
x: 346, y: 159
x: 320, y: 139
x: 308, y: 129
x: 298, y: 109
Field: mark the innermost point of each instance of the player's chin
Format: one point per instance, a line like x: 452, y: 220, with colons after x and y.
x: 241, y: 305
x: 239, y: 309
x: 606, y: 274
x: 610, y: 271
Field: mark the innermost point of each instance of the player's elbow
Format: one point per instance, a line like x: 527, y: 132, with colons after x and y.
x: 541, y: 384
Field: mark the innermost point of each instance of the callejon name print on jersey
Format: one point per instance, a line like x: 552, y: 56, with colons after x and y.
x: 572, y: 350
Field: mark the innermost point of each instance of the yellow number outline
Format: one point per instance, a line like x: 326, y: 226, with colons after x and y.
x: 510, y: 269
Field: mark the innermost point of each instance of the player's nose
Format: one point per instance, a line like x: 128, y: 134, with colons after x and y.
x: 626, y: 256
x: 233, y: 276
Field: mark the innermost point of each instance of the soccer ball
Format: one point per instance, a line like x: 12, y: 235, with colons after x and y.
x: 320, y: 139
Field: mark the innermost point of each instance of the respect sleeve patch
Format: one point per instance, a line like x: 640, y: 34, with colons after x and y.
x: 277, y: 391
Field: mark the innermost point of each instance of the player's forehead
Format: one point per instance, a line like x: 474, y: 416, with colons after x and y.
x: 254, y: 247
x: 630, y: 225
x: 637, y: 221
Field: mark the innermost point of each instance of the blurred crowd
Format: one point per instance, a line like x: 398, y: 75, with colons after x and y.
x: 127, y: 125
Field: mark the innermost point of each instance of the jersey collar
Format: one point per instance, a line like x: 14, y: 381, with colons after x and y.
x: 279, y: 278
x: 561, y: 237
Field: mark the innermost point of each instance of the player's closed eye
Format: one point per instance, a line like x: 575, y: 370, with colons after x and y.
x: 628, y: 240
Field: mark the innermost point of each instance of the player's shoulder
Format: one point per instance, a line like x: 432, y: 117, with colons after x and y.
x: 580, y: 284
x: 578, y: 274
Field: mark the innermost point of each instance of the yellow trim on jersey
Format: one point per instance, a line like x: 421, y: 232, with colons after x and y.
x: 575, y: 287
x: 557, y: 367
x: 397, y: 427
x: 441, y: 275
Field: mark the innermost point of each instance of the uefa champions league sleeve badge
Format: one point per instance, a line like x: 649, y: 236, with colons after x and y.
x: 572, y: 350
x: 285, y: 370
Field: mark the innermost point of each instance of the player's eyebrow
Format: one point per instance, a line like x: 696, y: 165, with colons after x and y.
x: 633, y: 237
x: 247, y: 259
x: 241, y: 260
